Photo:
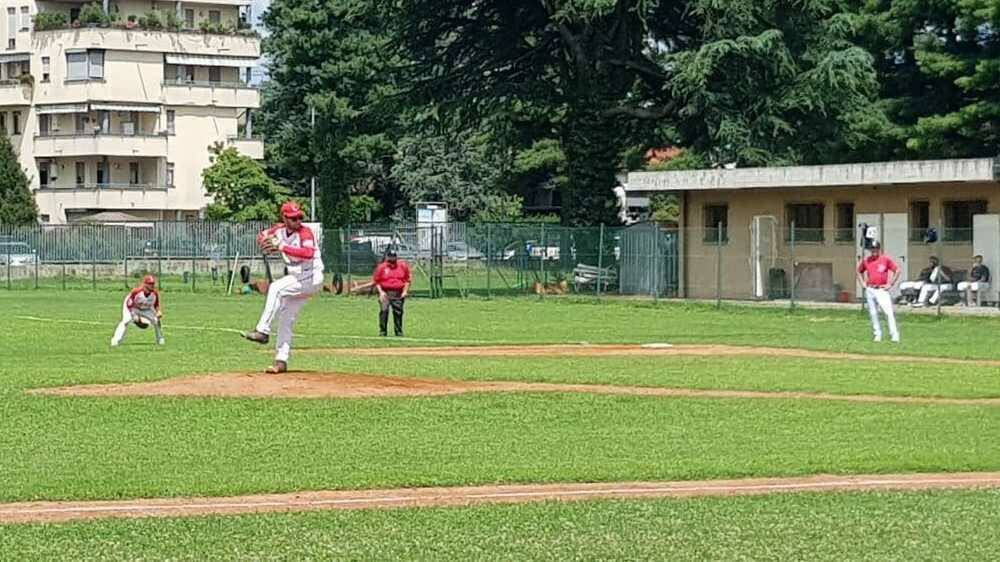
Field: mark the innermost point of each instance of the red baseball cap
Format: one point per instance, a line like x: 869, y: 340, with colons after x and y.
x: 149, y: 280
x: 291, y: 210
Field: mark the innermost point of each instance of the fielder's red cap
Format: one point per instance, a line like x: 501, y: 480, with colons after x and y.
x: 149, y: 280
x: 291, y: 210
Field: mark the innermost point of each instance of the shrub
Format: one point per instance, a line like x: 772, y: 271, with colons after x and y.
x: 93, y: 14
x: 171, y: 21
x: 50, y: 20
x: 151, y: 21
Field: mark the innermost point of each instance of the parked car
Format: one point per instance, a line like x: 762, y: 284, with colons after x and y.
x: 18, y: 252
x: 458, y: 251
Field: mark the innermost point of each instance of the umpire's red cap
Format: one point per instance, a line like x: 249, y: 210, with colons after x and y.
x: 291, y: 210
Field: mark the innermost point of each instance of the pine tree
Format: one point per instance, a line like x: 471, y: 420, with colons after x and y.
x: 17, y: 203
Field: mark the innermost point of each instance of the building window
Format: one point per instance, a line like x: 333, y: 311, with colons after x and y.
x: 958, y: 219
x: 714, y: 215
x: 44, y: 124
x: 171, y: 121
x: 189, y: 73
x: 808, y: 221
x: 43, y: 174
x: 25, y: 19
x: 215, y: 16
x: 45, y: 69
x: 214, y: 74
x: 845, y: 222
x: 133, y: 173
x: 102, y: 177
x: 11, y: 28
x: 83, y: 65
x: 3, y: 122
x: 81, y: 174
x: 96, y: 64
x: 15, y: 119
x: 920, y: 220
x: 82, y: 123
x: 170, y: 174
x: 189, y: 18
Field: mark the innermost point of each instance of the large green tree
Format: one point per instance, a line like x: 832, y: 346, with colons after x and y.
x: 744, y: 82
x: 240, y: 189
x: 17, y: 203
x: 329, y: 56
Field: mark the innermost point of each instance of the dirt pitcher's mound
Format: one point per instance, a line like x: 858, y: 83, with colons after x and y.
x: 334, y: 385
x: 632, y: 350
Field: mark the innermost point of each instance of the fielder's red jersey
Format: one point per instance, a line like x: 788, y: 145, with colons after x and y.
x: 139, y: 299
x: 392, y: 278
x: 878, y: 269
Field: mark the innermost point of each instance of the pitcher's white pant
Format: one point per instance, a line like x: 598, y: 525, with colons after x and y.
x: 148, y: 315
x: 931, y: 290
x: 881, y: 298
x: 285, y: 298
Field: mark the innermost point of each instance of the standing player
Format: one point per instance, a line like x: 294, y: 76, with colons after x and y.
x: 141, y: 307
x: 285, y: 297
x: 392, y: 280
x: 874, y: 275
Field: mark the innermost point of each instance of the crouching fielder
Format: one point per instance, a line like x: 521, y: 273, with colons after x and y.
x: 286, y: 296
x: 877, y: 274
x: 141, y: 307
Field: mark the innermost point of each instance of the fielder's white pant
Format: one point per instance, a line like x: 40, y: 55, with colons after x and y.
x: 148, y: 315
x: 881, y: 298
x: 968, y: 287
x: 285, y: 298
x: 931, y: 290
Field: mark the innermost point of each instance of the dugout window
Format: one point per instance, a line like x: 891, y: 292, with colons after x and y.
x: 845, y: 222
x: 958, y: 219
x: 808, y: 221
x: 920, y: 220
x: 715, y: 214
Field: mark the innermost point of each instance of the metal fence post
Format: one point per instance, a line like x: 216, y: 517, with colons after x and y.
x: 93, y: 260
x: 64, y: 275
x: 125, y: 262
x: 600, y: 260
x: 718, y: 265
x: 37, y: 259
x: 940, y: 266
x: 792, y: 280
x: 489, y: 259
x: 194, y: 251
x: 8, y: 266
x: 347, y: 240
x: 541, y: 261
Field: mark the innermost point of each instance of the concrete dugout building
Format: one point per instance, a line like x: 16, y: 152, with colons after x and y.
x: 830, y: 208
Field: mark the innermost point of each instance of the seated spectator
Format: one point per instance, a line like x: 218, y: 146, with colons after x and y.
x: 939, y: 280
x: 979, y: 280
x: 910, y: 289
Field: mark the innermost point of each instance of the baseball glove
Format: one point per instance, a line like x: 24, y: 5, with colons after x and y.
x: 140, y: 322
x: 268, y: 244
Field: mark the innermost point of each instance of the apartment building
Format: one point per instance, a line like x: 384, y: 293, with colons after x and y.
x: 114, y: 106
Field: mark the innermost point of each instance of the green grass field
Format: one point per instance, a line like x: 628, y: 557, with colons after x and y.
x: 65, y: 448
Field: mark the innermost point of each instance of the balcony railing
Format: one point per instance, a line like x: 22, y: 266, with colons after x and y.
x: 90, y: 134
x: 107, y: 186
x: 239, y: 85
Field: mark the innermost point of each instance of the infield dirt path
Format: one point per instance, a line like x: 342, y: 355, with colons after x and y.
x: 633, y: 350
x: 54, y: 512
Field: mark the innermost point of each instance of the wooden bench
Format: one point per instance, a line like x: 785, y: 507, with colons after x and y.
x: 584, y: 275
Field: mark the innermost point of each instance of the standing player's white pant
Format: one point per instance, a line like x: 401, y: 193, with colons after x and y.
x: 881, y: 298
x: 931, y: 290
x: 285, y: 298
x: 148, y: 315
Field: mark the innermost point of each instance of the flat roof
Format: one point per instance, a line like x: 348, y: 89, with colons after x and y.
x: 836, y: 175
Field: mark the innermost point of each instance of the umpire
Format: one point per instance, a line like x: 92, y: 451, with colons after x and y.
x: 392, y: 280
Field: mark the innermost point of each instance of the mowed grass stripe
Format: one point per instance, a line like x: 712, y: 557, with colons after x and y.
x: 85, y: 448
x: 940, y: 525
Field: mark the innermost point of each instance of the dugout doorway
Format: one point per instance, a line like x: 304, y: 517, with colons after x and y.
x: 892, y: 231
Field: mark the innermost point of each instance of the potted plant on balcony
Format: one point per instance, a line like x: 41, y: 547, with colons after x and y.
x: 46, y: 20
x: 92, y: 15
x: 27, y: 79
x: 130, y: 22
x: 171, y: 21
x: 151, y: 21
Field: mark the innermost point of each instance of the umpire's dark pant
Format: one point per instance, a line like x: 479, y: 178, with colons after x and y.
x: 395, y: 302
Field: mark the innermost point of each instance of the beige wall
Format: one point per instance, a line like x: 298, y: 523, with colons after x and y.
x: 699, y: 270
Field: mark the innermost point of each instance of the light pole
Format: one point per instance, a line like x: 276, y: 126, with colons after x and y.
x: 312, y: 180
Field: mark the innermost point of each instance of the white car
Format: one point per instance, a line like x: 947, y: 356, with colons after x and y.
x: 18, y: 252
